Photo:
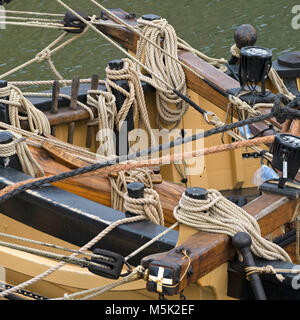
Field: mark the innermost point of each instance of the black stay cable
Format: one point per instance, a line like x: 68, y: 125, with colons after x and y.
x: 280, y: 113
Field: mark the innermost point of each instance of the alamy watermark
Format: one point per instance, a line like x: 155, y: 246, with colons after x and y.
x: 296, y: 18
x: 2, y: 17
x: 138, y: 140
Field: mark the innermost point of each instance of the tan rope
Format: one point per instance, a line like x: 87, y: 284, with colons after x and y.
x: 119, y: 185
x: 164, y: 67
x: 149, y: 206
x: 18, y: 146
x: 36, y: 13
x: 217, y: 63
x: 106, y: 108
x: 219, y: 215
x: 17, y: 103
x: 46, y: 54
x: 134, y: 98
x: 270, y: 270
x: 279, y: 85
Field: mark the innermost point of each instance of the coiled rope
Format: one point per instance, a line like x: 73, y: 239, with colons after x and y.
x: 164, y: 67
x: 134, y: 98
x: 18, y: 104
x: 149, y: 206
x: 282, y: 113
x: 219, y: 215
x: 19, y: 147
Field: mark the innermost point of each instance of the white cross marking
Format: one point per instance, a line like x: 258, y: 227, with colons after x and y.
x: 160, y: 280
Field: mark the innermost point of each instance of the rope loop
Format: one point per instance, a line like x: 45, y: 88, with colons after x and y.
x: 18, y: 146
x: 149, y: 206
x: 219, y: 215
x: 45, y: 54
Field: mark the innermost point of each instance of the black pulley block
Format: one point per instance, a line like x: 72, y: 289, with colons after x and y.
x: 72, y: 21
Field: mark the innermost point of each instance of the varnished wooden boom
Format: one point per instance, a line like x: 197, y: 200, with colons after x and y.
x: 208, y: 250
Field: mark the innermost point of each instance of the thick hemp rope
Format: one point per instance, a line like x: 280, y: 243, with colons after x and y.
x: 282, y: 113
x: 18, y: 104
x: 164, y: 67
x: 149, y: 206
x: 19, y: 147
x: 119, y: 184
x: 219, y: 215
x: 134, y: 98
x: 105, y: 103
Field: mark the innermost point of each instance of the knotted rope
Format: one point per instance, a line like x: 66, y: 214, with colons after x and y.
x: 219, y: 215
x: 46, y: 54
x: 105, y: 103
x: 18, y: 104
x: 18, y: 146
x: 134, y: 98
x: 164, y: 67
x: 149, y: 206
x: 119, y: 184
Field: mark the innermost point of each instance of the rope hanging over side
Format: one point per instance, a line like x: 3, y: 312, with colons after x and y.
x: 18, y: 104
x: 219, y: 215
x: 164, y: 67
x: 18, y: 146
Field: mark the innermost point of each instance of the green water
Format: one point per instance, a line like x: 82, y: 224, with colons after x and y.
x: 206, y: 25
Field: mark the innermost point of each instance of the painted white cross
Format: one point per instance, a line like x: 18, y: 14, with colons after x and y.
x: 160, y: 280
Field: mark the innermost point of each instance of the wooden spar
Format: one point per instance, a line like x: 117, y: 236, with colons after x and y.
x: 98, y: 188
x: 54, y: 106
x: 208, y: 250
x: 73, y: 106
x: 94, y: 86
x: 214, y: 85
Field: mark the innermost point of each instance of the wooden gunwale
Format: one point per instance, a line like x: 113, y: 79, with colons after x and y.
x: 209, y: 251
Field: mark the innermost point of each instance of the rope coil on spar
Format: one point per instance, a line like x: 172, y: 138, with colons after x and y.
x: 216, y: 214
x: 134, y: 98
x: 281, y: 113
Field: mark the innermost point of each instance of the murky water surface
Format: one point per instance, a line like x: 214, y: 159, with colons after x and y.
x: 207, y: 25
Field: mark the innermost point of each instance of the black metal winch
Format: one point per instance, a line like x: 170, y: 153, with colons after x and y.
x: 286, y: 158
x: 255, y: 64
